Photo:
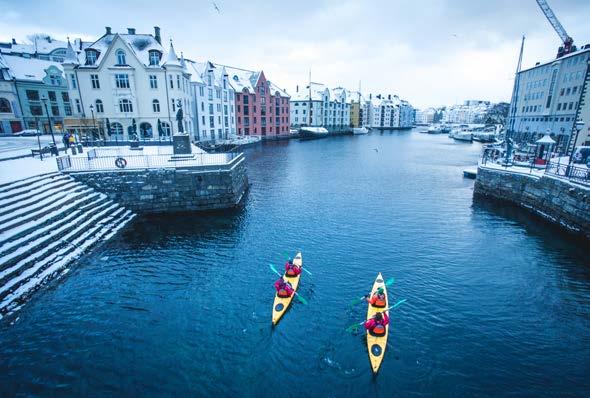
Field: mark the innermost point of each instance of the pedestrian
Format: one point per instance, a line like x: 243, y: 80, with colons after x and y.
x: 66, y: 141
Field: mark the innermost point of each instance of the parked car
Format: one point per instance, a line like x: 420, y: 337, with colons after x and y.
x: 28, y: 133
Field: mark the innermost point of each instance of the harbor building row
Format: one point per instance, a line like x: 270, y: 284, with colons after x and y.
x: 131, y: 85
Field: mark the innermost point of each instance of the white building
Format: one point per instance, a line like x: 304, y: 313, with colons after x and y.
x: 126, y: 83
x: 330, y: 108
x: 547, y: 98
x: 390, y: 113
x: 471, y: 111
x: 425, y: 116
x: 213, y: 105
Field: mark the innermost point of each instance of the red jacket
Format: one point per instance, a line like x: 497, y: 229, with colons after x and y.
x: 371, y: 323
x: 296, y: 269
x: 281, y: 284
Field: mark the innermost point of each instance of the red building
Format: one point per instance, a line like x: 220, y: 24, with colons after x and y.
x: 262, y: 108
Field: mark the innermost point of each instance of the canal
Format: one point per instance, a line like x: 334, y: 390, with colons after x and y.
x: 498, y: 301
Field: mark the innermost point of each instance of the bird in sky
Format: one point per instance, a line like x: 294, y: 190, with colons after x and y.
x: 216, y: 7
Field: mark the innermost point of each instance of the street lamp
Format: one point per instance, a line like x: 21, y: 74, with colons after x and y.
x: 93, y: 123
x: 44, y: 99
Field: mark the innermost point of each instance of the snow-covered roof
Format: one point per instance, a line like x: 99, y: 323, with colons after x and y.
x: 31, y: 69
x: 172, y: 59
x: 574, y: 54
x: 140, y: 44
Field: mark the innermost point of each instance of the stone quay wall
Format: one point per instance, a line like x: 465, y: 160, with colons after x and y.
x: 559, y: 201
x: 161, y: 190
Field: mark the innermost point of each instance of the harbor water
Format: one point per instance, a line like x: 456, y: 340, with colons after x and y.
x: 498, y: 301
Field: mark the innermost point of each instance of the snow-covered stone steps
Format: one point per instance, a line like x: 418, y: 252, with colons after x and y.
x: 46, y: 222
x: 32, y: 279
x: 35, y: 242
x: 9, y: 188
x: 42, y: 208
x: 32, y: 187
x: 9, y: 206
x: 48, y: 219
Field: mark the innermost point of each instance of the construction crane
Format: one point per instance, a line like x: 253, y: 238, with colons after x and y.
x: 568, y: 42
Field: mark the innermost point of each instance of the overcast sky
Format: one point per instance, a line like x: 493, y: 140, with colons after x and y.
x: 426, y: 51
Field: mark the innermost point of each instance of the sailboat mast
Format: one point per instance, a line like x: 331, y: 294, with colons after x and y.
x: 513, y: 103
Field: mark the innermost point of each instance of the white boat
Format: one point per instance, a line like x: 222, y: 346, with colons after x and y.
x: 360, y: 130
x: 463, y: 135
x: 434, y: 129
x: 312, y: 132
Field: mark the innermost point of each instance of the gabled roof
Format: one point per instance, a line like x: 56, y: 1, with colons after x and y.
x: 30, y: 69
x: 71, y: 56
x: 139, y: 44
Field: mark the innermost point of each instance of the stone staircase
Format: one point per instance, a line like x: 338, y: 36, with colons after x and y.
x: 46, y: 222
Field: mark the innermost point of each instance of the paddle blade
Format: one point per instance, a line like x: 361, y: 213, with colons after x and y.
x: 303, y: 301
x: 354, y: 328
x: 305, y: 269
x: 357, y: 301
x: 399, y: 303
x: 389, y: 282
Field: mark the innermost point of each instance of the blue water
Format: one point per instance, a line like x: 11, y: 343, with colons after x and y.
x: 498, y: 301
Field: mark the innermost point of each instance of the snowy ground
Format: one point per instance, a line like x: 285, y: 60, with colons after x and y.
x: 18, y: 169
x: 11, y: 147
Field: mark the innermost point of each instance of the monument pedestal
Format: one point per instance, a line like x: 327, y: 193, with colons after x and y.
x: 182, y: 147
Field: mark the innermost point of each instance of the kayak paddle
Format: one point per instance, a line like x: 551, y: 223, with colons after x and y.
x: 354, y: 327
x: 272, y: 267
x: 388, y: 283
x: 305, y: 269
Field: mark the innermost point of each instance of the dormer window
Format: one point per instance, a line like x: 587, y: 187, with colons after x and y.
x: 91, y: 57
x: 121, y: 57
x: 155, y: 57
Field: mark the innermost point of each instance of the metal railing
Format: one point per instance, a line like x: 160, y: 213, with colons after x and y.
x: 126, y: 161
x: 573, y: 173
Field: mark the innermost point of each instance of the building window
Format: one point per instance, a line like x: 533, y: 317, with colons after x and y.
x: 5, y: 106
x: 245, y: 99
x: 156, y: 106
x: 210, y: 94
x: 201, y: 91
x: 211, y: 121
x: 121, y: 57
x: 94, y: 81
x: 559, y: 106
x: 210, y: 109
x: 122, y: 80
x: 154, y: 57
x: 178, y: 82
x: 116, y: 129
x: 91, y: 56
x: 73, y: 81
x: 171, y: 81
x: 218, y: 93
x: 99, y: 106
x: 145, y: 130
x: 153, y: 81
x: 165, y: 129
x: 78, y: 106
x: 125, y: 106
x: 32, y: 95
x: 36, y: 110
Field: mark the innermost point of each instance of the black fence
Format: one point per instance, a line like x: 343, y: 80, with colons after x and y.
x: 573, y: 173
x: 125, y: 161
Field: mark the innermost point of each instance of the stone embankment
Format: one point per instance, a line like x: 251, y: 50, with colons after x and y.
x: 558, y: 200
x: 175, y: 189
x: 46, y: 222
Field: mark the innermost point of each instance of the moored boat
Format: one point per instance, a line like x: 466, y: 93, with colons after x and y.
x: 360, y: 130
x: 376, y: 344
x: 281, y: 304
x: 312, y: 132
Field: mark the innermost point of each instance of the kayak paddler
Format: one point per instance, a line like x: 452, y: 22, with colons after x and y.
x: 378, y: 299
x: 376, y: 325
x: 291, y: 269
x: 283, y: 288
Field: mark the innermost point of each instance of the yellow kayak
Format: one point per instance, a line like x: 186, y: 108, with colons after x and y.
x: 376, y: 344
x: 281, y: 304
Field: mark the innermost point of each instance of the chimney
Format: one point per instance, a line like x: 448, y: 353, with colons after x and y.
x: 13, y: 40
x: 108, y: 29
x: 389, y: 97
x: 157, y: 34
x: 370, y: 96
x: 131, y: 31
x: 297, y: 89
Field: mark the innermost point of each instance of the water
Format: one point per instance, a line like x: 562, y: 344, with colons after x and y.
x: 498, y: 302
